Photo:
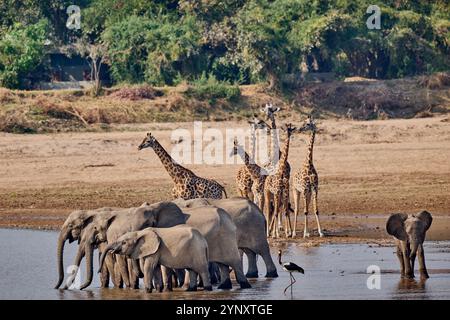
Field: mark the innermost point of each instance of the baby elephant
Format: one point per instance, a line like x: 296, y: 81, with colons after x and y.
x: 409, y: 231
x: 178, y: 247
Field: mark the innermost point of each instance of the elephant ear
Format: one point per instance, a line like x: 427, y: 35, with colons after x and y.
x: 395, y: 226
x: 426, y: 217
x: 146, y: 245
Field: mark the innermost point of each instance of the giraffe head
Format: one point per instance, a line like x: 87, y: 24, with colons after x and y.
x: 308, y: 125
x: 289, y: 129
x: 269, y: 110
x: 257, y: 123
x: 148, y: 142
x: 236, y: 148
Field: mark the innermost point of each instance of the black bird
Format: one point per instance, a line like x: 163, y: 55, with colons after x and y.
x: 289, y: 267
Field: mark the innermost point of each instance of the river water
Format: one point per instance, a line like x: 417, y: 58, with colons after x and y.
x: 28, y: 271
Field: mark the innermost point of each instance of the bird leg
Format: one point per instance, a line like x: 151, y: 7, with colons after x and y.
x: 292, y: 282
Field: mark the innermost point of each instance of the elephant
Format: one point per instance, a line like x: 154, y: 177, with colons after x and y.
x: 181, y: 247
x: 409, y: 231
x: 251, y: 229
x: 71, y: 230
x: 214, y: 224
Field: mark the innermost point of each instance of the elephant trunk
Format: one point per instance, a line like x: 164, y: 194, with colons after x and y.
x: 59, y: 254
x: 89, y: 251
x: 414, y: 247
x: 80, y: 254
x: 110, y: 247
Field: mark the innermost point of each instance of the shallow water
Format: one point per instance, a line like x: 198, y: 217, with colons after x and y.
x: 28, y: 271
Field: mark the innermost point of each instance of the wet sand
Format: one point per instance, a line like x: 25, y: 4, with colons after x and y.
x: 338, y: 271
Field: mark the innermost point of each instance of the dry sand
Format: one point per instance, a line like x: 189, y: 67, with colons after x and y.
x: 367, y: 170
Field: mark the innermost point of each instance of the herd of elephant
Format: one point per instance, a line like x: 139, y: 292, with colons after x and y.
x: 191, y: 243
x: 186, y: 243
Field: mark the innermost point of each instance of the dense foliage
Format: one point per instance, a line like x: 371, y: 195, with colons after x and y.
x: 239, y: 41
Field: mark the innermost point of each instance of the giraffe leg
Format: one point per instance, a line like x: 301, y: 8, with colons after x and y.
x: 287, y: 215
x: 306, y: 200
x: 267, y: 197
x: 276, y: 212
x: 316, y: 212
x: 296, y: 210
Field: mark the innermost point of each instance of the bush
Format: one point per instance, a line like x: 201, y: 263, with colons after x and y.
x: 137, y: 93
x: 21, y: 53
x: 209, y: 88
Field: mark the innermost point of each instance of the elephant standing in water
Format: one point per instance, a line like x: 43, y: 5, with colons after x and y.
x: 72, y: 230
x: 180, y: 246
x: 251, y: 229
x: 410, y: 231
x: 213, y: 223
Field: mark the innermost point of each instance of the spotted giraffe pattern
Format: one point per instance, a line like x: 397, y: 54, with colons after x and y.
x: 256, y: 173
x: 187, y: 184
x: 270, y: 111
x: 306, y: 182
x: 274, y: 189
x: 244, y: 180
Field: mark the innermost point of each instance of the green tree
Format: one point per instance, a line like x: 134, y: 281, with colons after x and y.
x: 21, y: 52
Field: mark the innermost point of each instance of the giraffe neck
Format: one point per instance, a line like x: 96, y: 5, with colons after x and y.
x: 273, y: 142
x: 168, y: 162
x: 309, y: 156
x: 284, y: 157
x: 253, y: 142
x: 253, y: 168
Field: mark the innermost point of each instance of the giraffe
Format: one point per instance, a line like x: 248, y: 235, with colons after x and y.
x: 274, y: 188
x: 187, y: 184
x: 269, y: 111
x: 306, y: 182
x: 256, y: 172
x: 244, y: 179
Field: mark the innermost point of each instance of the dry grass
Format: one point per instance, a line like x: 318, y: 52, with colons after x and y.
x: 383, y: 99
x: 438, y: 80
x: 136, y: 93
x: 77, y: 110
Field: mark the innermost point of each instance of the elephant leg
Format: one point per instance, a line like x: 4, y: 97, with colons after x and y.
x: 225, y: 277
x: 149, y: 267
x: 402, y: 262
x: 180, y: 276
x: 119, y: 283
x: 271, y: 269
x: 167, y: 278
x: 204, y: 276
x: 412, y: 259
x: 158, y: 279
x: 409, y: 273
x: 133, y: 274
x: 109, y: 263
x: 252, y: 271
x: 123, y: 269
x: 240, y: 277
x: 422, y: 267
x: 104, y: 277
x: 213, y: 271
x: 316, y: 212
x: 296, y: 194
x: 192, y: 280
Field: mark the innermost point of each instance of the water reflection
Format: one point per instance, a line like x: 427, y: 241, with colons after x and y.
x: 331, y: 272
